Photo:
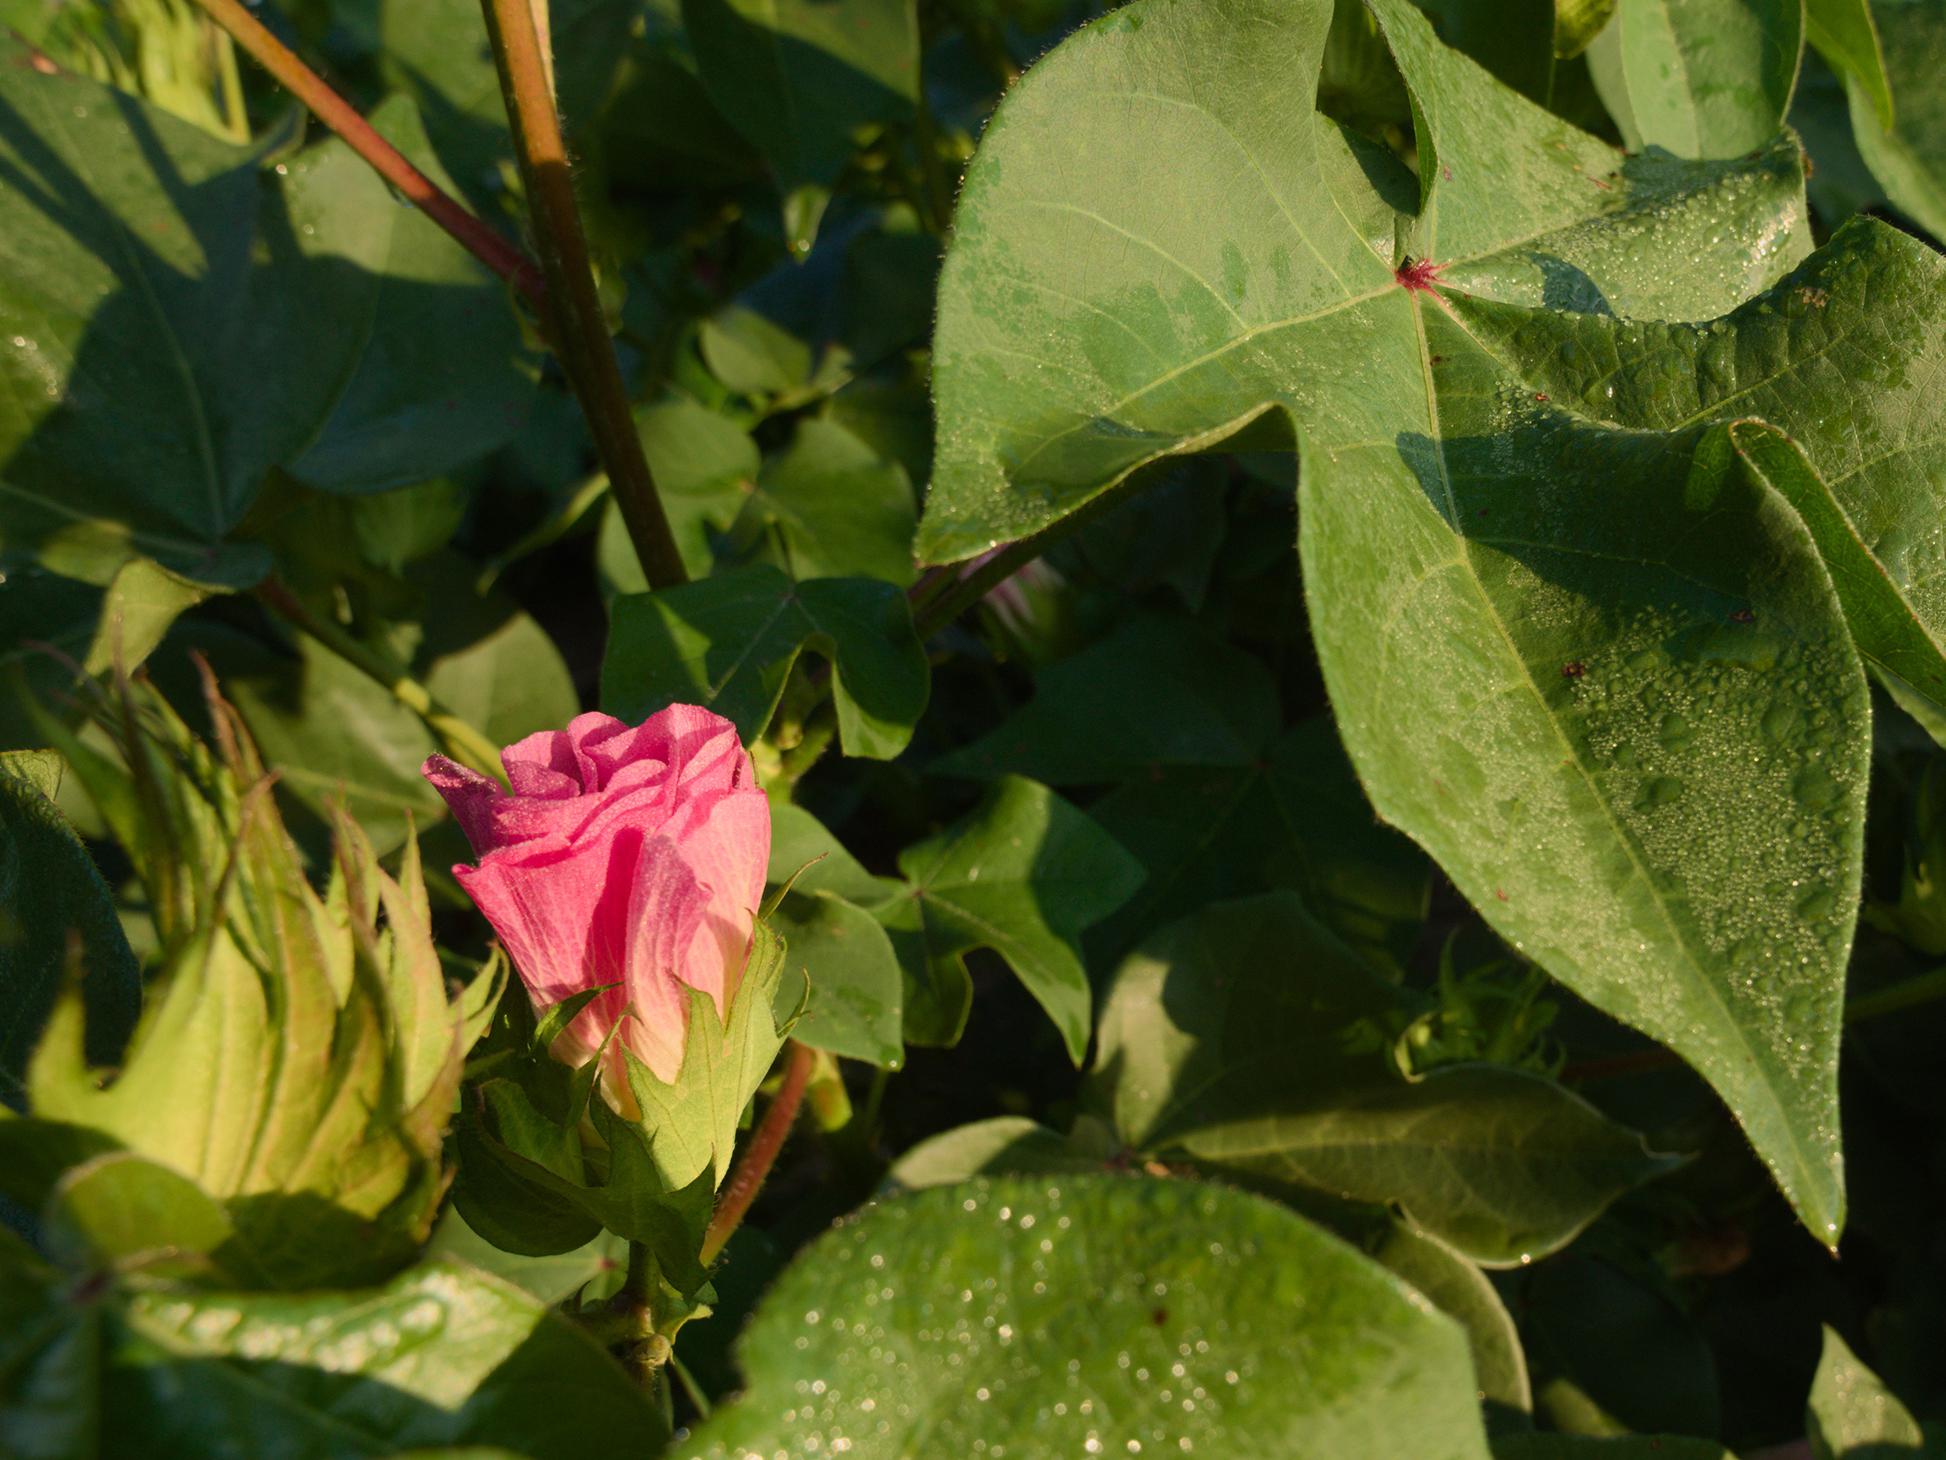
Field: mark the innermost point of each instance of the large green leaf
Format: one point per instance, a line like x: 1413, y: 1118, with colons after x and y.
x: 1094, y: 320
x: 1246, y: 1037
x: 1537, y: 631
x: 444, y: 1354
x: 1094, y: 1315
x: 159, y: 287
x: 1699, y: 78
x: 1906, y: 149
x: 1024, y: 874
x: 729, y: 643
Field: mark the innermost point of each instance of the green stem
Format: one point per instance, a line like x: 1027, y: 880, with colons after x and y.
x: 760, y: 1155
x: 949, y: 603
x: 579, y: 328
x: 341, y: 117
x: 461, y: 740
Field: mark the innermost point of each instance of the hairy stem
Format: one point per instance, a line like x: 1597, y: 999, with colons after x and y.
x: 341, y: 117
x: 578, y: 328
x: 459, y: 738
x: 758, y: 1157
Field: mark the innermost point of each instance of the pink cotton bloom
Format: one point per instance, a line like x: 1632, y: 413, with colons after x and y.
x: 622, y: 854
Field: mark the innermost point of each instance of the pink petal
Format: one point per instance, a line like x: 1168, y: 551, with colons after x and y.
x: 469, y: 795
x: 666, y: 911
x: 726, y: 842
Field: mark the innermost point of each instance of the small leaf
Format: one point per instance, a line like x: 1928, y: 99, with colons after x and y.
x: 836, y: 507
x: 729, y: 643
x: 1296, y: 818
x: 1245, y: 1037
x: 139, y: 604
x: 121, y: 1210
x: 1006, y: 1145
x: 1024, y: 875
x: 798, y: 78
x: 1461, y: 1291
x: 1156, y: 692
x: 856, y: 990
x: 50, y: 892
x: 705, y: 466
x: 1851, y: 1415
x: 1086, y: 1294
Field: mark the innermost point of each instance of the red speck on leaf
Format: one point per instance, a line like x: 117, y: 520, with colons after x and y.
x: 1540, y: 395
x: 1419, y: 274
x: 1744, y: 616
x: 1573, y: 669
x: 1501, y: 893
x: 1447, y: 173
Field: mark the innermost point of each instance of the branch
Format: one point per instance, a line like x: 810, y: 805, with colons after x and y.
x: 758, y: 1157
x: 341, y: 117
x: 579, y: 328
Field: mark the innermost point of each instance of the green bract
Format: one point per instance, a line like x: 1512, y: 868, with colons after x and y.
x: 277, y: 1119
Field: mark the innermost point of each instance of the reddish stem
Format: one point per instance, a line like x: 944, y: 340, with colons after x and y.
x: 341, y: 117
x: 758, y: 1157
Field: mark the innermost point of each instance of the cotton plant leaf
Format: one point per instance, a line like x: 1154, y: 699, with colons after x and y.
x: 1851, y: 1415
x: 1846, y: 34
x: 1024, y: 874
x: 1699, y: 78
x: 1460, y: 1290
x: 1294, y: 817
x: 832, y: 507
x: 1898, y: 621
x: 443, y: 1353
x: 729, y: 643
x: 1903, y: 140
x: 50, y: 892
x: 1248, y: 1039
x: 1533, y: 627
x: 1203, y: 702
x: 1090, y: 324
x: 1296, y: 1343
x: 800, y: 78
x: 160, y: 284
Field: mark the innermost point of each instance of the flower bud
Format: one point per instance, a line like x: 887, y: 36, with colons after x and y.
x: 631, y: 856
